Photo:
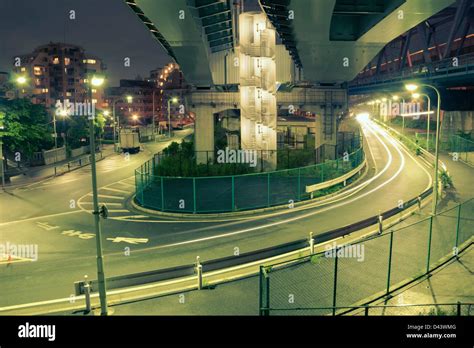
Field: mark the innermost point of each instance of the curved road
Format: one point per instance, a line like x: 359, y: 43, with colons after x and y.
x: 55, y: 215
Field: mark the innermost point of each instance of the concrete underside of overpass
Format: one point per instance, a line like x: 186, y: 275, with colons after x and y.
x: 336, y: 39
x: 333, y: 40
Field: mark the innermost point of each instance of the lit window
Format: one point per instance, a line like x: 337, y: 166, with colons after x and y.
x: 68, y: 94
x: 67, y: 61
x: 91, y: 61
x: 94, y: 90
x: 44, y: 90
x: 23, y: 69
x: 37, y: 70
x: 56, y: 60
x: 94, y: 101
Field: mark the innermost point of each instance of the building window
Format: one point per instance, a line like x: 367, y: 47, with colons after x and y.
x: 67, y: 61
x: 23, y: 69
x: 68, y: 94
x: 90, y: 61
x: 37, y: 70
x: 44, y: 90
x: 56, y: 60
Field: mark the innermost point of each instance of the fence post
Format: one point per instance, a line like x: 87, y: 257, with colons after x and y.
x: 162, y: 195
x: 366, y: 310
x: 268, y: 189
x: 389, y: 262
x: 199, y: 273
x: 194, y: 195
x: 429, y: 245
x: 233, y: 193
x: 311, y: 243
x: 419, y: 203
x: 264, y: 298
x: 380, y: 223
x: 334, y: 295
x: 87, y: 293
x: 458, y: 306
x: 458, y: 224
x: 299, y: 184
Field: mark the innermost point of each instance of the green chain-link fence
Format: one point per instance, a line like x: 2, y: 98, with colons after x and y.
x: 236, y: 192
x: 344, y: 276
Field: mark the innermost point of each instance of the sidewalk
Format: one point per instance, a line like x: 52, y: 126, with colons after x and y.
x: 451, y: 283
x: 34, y: 174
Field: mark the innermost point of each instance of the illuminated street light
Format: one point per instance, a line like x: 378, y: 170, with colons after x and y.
x: 97, y: 81
x: 21, y: 80
x: 129, y: 99
x: 415, y: 95
x: 173, y: 100
x: 413, y: 87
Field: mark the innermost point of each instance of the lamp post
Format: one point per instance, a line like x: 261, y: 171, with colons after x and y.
x: 173, y: 100
x: 428, y: 117
x: 153, y: 114
x: 396, y: 97
x: 97, y: 82
x: 117, y: 119
x: 2, y: 169
x: 412, y: 88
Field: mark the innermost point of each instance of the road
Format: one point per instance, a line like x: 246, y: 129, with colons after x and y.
x: 54, y: 215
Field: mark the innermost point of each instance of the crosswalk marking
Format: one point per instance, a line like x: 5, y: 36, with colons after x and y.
x: 107, y: 196
x: 105, y: 203
x: 115, y: 190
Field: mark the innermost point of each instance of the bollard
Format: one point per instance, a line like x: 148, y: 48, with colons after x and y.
x: 311, y: 243
x: 87, y: 293
x: 199, y: 273
x: 419, y: 203
x: 380, y: 224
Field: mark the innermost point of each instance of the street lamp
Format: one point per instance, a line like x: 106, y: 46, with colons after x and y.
x: 413, y: 87
x: 173, y: 100
x: 97, y: 81
x: 396, y: 97
x: 135, y: 119
x: 428, y: 118
x: 2, y: 168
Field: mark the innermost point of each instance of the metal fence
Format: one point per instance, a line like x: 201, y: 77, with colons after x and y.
x: 462, y: 149
x: 236, y: 192
x: 349, y: 275
x: 445, y: 309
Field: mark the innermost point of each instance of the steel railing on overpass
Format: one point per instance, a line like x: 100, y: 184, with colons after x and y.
x: 462, y: 65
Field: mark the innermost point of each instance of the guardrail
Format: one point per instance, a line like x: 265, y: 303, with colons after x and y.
x: 445, y: 67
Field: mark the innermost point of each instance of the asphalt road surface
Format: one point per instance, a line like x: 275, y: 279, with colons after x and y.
x: 55, y: 215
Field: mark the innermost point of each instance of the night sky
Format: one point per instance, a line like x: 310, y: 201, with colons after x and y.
x: 105, y: 28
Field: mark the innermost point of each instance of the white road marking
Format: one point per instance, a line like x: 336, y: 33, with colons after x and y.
x: 107, y: 196
x: 40, y: 217
x: 104, y: 203
x: 114, y: 190
x: 128, y: 240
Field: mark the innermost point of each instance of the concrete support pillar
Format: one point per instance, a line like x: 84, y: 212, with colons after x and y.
x: 204, y: 133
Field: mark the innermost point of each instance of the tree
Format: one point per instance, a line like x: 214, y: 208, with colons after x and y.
x: 26, y: 128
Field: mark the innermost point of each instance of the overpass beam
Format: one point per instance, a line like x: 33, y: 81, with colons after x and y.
x: 461, y: 12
